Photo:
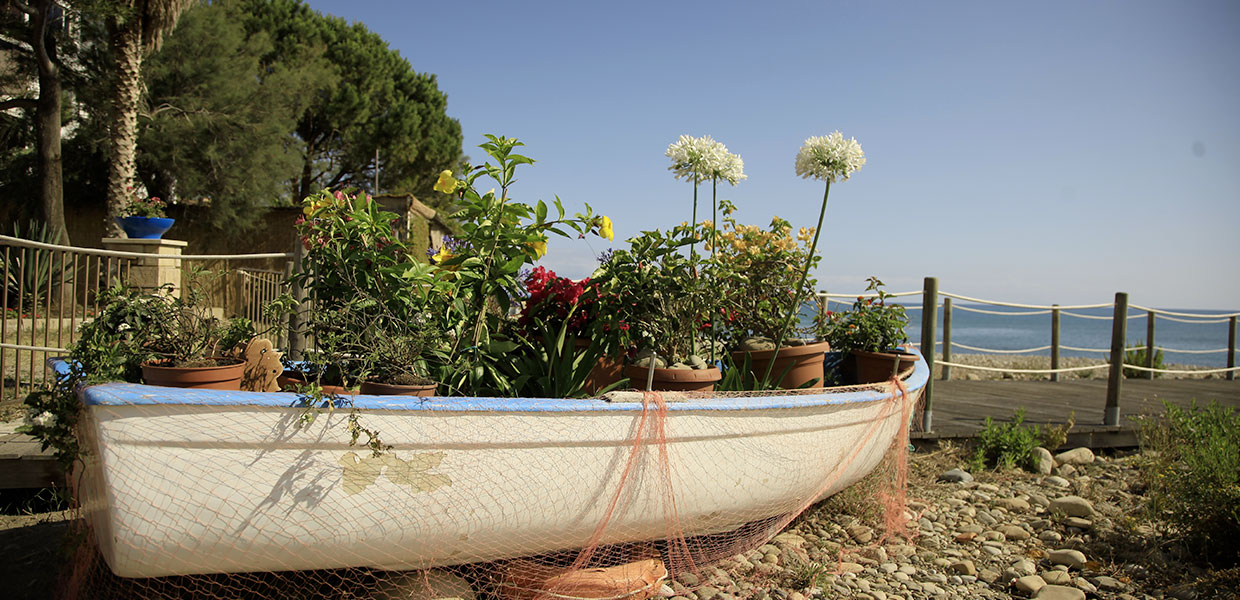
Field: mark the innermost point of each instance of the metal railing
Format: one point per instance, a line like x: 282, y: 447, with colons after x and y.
x: 50, y: 290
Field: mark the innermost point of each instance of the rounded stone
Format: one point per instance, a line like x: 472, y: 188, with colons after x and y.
x: 1072, y: 506
x: 1029, y: 584
x: 1075, y: 456
x: 1059, y: 592
x: 1043, y: 460
x: 956, y: 476
x: 1071, y: 558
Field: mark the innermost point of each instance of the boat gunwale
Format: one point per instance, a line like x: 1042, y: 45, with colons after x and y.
x: 130, y: 394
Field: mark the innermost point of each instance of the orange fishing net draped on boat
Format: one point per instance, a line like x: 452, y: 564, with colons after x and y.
x: 247, y: 496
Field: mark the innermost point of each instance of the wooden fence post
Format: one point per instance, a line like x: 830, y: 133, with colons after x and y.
x: 1054, y: 341
x: 1119, y: 324
x: 1149, y: 344
x: 929, y: 325
x: 947, y: 338
x: 1231, y: 348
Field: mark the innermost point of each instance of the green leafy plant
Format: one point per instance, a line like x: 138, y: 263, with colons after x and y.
x: 182, y: 329
x: 1137, y: 356
x: 29, y: 271
x: 759, y: 270
x: 1007, y: 445
x: 110, y: 347
x: 872, y: 325
x: 1191, y: 468
x: 667, y: 298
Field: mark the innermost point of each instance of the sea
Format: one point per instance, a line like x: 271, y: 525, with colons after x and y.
x: 1018, y: 330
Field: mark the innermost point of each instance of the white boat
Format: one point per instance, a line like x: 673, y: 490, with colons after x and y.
x: 180, y: 482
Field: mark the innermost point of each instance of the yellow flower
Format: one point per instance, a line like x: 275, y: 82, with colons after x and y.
x: 539, y: 248
x: 442, y: 255
x: 446, y: 183
x: 604, y: 229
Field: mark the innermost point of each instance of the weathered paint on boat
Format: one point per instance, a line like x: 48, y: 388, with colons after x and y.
x: 179, y: 482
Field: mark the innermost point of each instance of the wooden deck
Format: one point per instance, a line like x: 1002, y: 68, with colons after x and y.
x: 961, y: 407
x: 23, y: 464
x: 960, y: 411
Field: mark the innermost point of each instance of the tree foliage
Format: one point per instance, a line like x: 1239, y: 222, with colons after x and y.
x: 380, y: 104
x: 219, y: 123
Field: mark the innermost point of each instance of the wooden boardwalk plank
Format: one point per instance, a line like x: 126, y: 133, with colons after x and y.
x: 961, y: 407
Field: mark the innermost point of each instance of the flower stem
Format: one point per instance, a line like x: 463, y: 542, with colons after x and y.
x: 714, y: 246
x: 693, y: 223
x: 796, y: 299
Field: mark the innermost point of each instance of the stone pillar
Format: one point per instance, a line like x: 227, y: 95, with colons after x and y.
x: 149, y: 274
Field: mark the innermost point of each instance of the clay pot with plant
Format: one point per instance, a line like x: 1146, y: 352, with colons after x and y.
x: 869, y: 336
x: 759, y: 270
x: 189, y: 347
x: 666, y: 302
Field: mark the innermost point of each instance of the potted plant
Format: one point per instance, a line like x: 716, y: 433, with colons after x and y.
x: 396, y: 364
x: 869, y: 336
x: 143, y: 218
x: 188, y: 345
x: 553, y: 301
x: 666, y: 301
x: 499, y: 237
x: 364, y: 286
x: 759, y: 270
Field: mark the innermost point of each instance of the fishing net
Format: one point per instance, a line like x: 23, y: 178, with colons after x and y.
x: 520, y: 499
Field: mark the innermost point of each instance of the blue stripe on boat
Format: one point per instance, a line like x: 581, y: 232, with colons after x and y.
x: 121, y: 394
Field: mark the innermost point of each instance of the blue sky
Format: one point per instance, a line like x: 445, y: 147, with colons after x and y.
x: 1033, y: 152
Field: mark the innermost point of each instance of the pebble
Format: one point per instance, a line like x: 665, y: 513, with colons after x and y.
x: 1072, y: 506
x: 1014, y: 533
x: 1024, y: 567
x: 964, y: 567
x: 956, y: 476
x: 1071, y: 558
x: 1059, y: 592
x: 1075, y: 456
x: 1056, y: 481
x: 1078, y: 523
x: 1045, y: 462
x: 1014, y: 504
x: 1029, y: 584
x: 1056, y: 577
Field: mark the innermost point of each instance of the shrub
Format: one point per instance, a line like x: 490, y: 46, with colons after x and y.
x: 1192, y: 473
x: 1136, y: 356
x: 1007, y: 445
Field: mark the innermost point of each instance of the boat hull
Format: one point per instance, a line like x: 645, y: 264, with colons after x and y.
x: 223, y: 482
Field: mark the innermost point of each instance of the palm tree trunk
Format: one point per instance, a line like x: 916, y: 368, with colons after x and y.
x: 123, y: 118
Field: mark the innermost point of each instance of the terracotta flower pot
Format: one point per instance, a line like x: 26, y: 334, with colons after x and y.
x: 674, y: 380
x: 374, y: 388
x: 292, y: 379
x: 608, y: 369
x: 803, y: 363
x: 874, y: 367
x: 226, y: 376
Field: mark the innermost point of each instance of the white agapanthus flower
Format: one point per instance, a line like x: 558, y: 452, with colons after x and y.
x: 830, y: 158
x: 702, y: 159
x: 689, y: 156
x: 721, y: 164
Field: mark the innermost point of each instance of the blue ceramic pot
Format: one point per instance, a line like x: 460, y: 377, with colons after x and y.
x: 145, y: 228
